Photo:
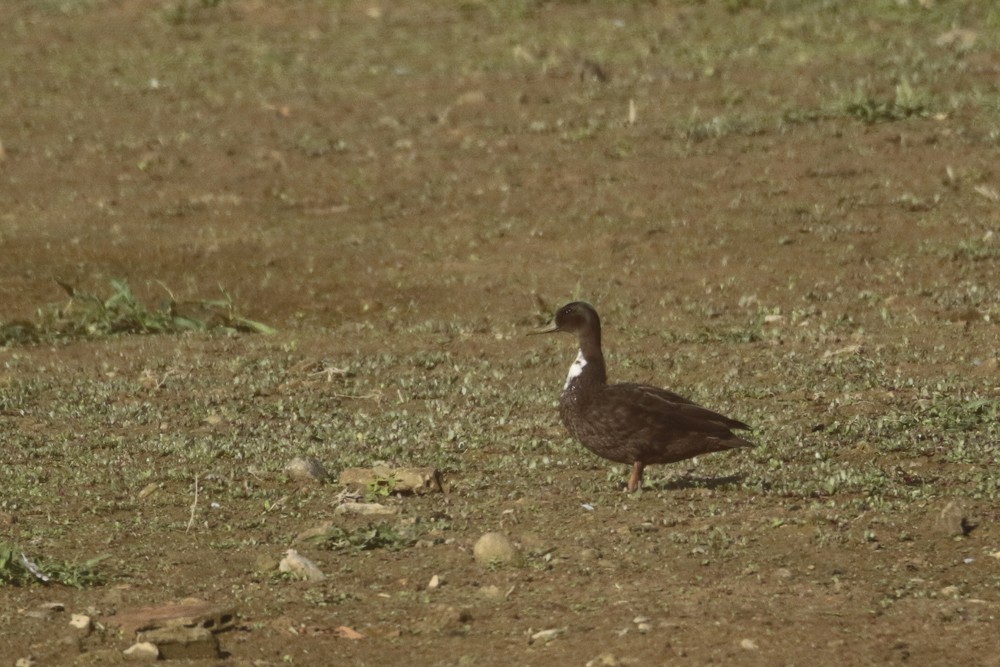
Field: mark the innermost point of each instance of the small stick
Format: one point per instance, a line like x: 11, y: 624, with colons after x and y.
x: 194, y: 505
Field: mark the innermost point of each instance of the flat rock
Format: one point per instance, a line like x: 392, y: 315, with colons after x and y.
x: 180, y: 643
x: 366, y: 509
x: 188, y: 613
x: 393, y: 480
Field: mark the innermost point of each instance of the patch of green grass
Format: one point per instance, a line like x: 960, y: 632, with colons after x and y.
x: 17, y: 569
x: 182, y: 12
x: 381, y: 487
x: 908, y: 102
x: 717, y: 127
x: 967, y: 250
x: 87, y: 315
x: 381, y: 536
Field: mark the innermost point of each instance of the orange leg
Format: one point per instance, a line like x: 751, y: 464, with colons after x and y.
x: 635, y: 481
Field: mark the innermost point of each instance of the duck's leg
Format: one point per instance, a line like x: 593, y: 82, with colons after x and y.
x: 635, y: 481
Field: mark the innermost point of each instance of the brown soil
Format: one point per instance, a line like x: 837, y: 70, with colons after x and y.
x: 403, y: 189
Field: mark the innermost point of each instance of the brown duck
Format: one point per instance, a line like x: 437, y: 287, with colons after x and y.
x: 631, y: 423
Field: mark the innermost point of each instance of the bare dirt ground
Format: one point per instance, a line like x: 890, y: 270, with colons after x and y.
x: 788, y: 211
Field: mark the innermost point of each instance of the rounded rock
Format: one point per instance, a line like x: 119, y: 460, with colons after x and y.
x: 307, y: 469
x: 496, y: 549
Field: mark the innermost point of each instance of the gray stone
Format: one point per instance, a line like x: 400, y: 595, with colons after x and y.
x: 306, y: 469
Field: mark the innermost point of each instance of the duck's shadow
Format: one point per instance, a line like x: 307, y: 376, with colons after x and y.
x: 691, y: 482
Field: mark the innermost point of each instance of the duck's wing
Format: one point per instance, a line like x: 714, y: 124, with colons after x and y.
x: 670, y: 411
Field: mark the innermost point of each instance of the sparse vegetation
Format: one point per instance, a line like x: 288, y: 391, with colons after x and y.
x: 86, y: 315
x: 17, y: 569
x: 784, y: 210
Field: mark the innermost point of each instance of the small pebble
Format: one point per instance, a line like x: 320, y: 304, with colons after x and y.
x: 748, y: 644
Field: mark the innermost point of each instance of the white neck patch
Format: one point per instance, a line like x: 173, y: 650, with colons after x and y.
x: 576, y: 369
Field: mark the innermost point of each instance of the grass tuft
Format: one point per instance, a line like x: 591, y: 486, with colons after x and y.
x: 87, y: 315
x: 19, y: 570
x: 381, y: 536
x: 907, y: 103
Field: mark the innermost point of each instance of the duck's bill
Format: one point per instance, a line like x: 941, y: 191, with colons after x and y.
x: 552, y: 328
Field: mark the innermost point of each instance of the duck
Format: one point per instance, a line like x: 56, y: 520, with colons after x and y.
x: 635, y: 424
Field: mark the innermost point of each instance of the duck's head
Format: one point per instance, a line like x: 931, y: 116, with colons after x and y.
x: 578, y: 318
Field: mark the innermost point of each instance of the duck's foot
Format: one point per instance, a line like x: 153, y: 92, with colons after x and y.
x: 635, y: 481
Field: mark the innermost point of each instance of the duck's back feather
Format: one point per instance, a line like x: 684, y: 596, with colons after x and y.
x: 637, y: 422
